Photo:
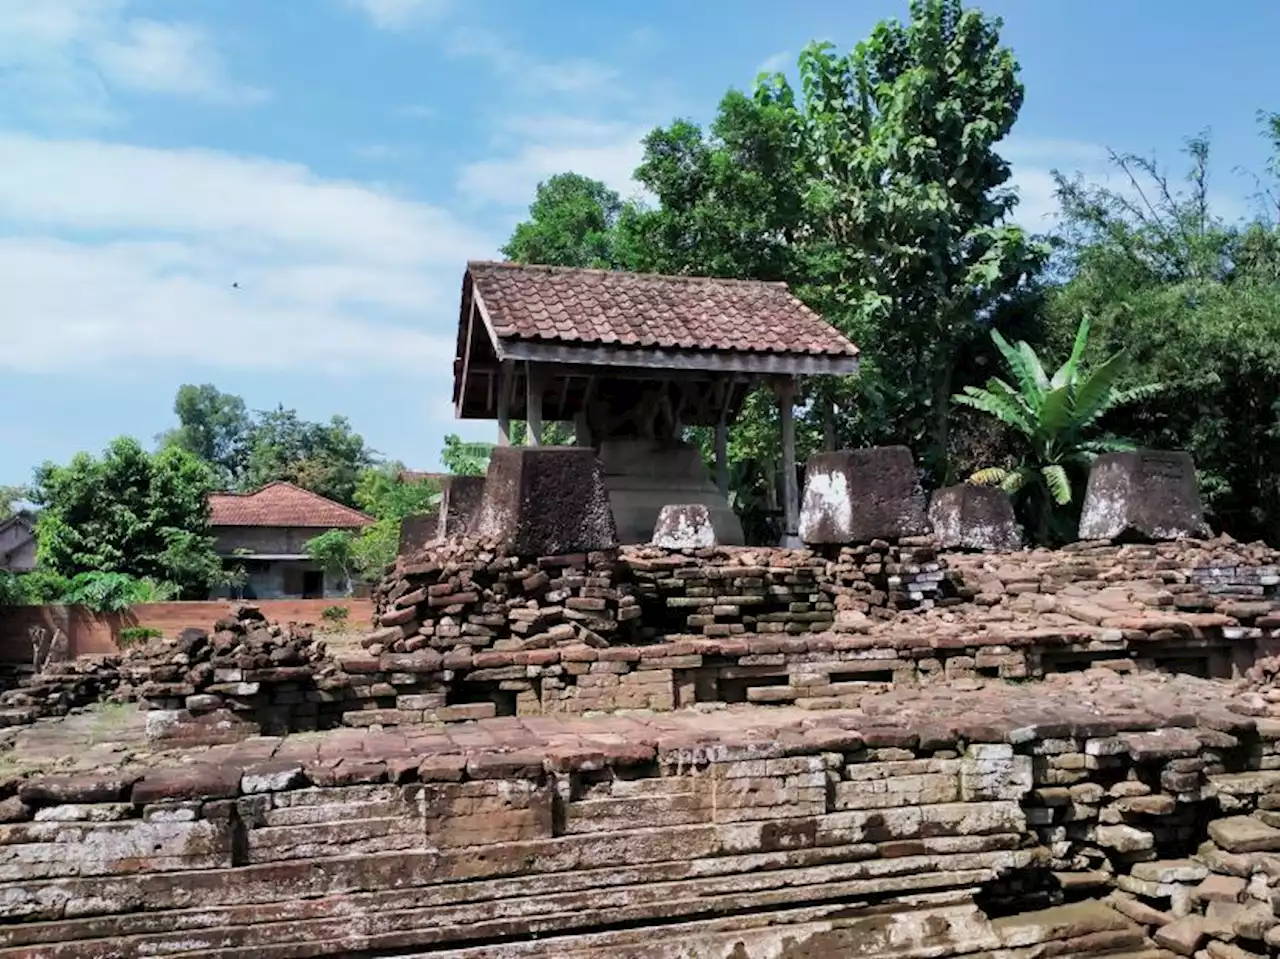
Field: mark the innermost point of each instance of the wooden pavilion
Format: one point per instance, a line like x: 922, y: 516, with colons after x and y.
x: 634, y: 359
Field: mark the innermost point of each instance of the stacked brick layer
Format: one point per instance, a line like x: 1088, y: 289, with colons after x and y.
x: 906, y: 828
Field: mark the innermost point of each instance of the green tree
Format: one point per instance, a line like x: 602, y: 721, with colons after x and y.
x: 1196, y: 303
x: 571, y: 223
x: 326, y: 458
x: 914, y: 254
x: 10, y: 497
x: 131, y: 512
x: 334, y: 552
x: 463, y: 458
x: 215, y: 426
x: 1057, y: 420
x: 878, y: 195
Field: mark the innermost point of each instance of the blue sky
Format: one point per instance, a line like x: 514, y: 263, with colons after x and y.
x: 341, y: 159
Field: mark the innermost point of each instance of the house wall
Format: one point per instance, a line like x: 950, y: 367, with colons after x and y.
x: 98, y: 633
x: 263, y: 539
x: 17, y: 548
x: 280, y: 579
x: 273, y: 579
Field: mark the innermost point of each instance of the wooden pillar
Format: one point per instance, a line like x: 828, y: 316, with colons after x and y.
x: 582, y: 434
x: 786, y: 390
x: 722, y: 456
x: 581, y: 429
x: 533, y: 403
x: 506, y: 375
x: 828, y: 423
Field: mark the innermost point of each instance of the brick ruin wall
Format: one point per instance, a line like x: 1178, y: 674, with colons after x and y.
x: 1042, y: 831
x: 783, y: 754
x: 476, y: 635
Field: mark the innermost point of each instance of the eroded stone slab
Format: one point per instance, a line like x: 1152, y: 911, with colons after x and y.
x: 1242, y: 834
x: 1144, y: 495
x: 687, y: 526
x: 855, y: 496
x: 974, y: 517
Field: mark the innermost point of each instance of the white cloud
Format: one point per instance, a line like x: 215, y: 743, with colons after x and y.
x: 328, y: 275
x: 177, y: 58
x: 400, y: 14
x: 62, y: 60
x: 775, y: 62
x: 530, y: 75
x: 539, y: 147
x: 1034, y: 160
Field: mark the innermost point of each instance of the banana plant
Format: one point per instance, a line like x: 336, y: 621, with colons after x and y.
x: 1058, y: 418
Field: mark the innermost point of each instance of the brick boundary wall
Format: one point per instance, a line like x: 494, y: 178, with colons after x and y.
x: 93, y: 633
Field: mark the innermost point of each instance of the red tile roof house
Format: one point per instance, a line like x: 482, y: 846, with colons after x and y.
x: 267, y: 532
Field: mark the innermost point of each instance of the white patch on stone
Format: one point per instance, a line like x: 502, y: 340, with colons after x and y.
x: 90, y: 812
x: 161, y: 723
x: 684, y: 527
x: 269, y: 782
x: 827, y: 497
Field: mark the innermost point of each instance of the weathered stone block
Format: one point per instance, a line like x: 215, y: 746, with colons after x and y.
x: 417, y: 531
x: 460, y: 500
x: 546, y: 501
x: 1146, y: 495
x: 855, y: 496
x: 974, y: 517
x: 687, y: 526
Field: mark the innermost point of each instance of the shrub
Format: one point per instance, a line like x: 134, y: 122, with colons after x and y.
x: 335, y: 616
x: 137, y: 635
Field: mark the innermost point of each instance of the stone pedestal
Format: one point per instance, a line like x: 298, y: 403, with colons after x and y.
x: 545, y: 501
x: 1143, y: 495
x: 855, y: 496
x: 643, y: 476
x: 974, y: 517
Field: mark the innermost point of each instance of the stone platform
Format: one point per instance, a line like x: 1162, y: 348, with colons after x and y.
x: 975, y: 818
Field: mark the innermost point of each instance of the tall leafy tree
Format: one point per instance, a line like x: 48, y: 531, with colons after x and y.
x: 1196, y: 302
x: 130, y: 512
x: 913, y: 253
x: 215, y: 426
x: 878, y: 193
x: 571, y: 223
x: 326, y: 458
x: 729, y: 199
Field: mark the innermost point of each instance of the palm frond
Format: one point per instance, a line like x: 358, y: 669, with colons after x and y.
x: 1002, y: 401
x: 1092, y: 394
x: 1067, y: 372
x: 1134, y: 394
x: 1055, y: 410
x: 1107, y: 444
x: 1032, y: 359
x: 1014, y: 481
x: 991, y: 476
x: 1059, y: 485
x: 1017, y: 360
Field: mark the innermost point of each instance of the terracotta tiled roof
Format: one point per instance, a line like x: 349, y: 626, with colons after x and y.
x: 645, y: 310
x: 283, y: 504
